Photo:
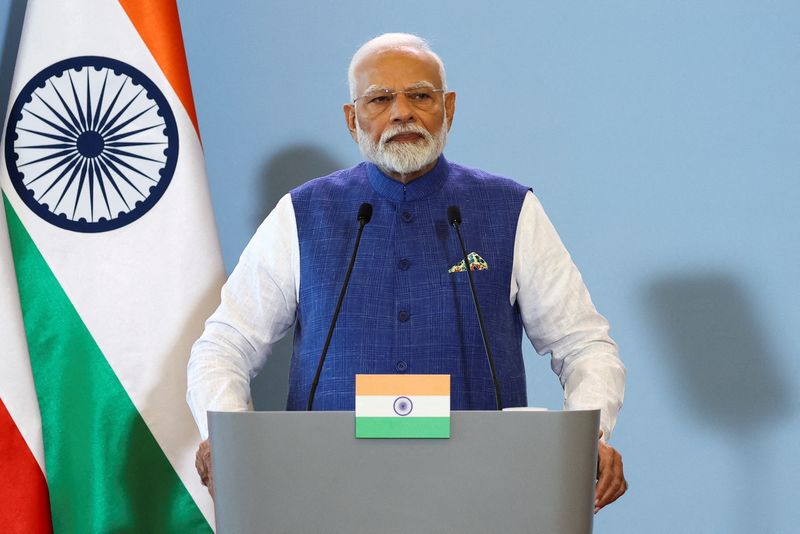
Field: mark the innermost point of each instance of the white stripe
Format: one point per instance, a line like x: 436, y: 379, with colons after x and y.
x: 16, y: 381
x: 383, y: 406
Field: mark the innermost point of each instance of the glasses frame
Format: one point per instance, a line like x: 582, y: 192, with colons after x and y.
x: 393, y: 94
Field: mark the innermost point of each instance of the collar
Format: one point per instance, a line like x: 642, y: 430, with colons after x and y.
x: 424, y: 186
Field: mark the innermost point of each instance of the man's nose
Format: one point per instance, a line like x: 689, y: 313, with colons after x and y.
x: 401, y: 109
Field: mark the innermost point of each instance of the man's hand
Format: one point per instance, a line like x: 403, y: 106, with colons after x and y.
x: 202, y: 462
x: 611, y: 483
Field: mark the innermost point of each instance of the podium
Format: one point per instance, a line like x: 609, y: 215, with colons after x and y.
x: 304, y: 472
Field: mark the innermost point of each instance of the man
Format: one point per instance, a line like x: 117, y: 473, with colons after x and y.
x: 408, y: 306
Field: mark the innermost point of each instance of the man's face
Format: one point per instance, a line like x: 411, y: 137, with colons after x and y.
x: 406, y: 136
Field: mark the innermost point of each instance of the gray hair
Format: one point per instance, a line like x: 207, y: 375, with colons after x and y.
x: 390, y: 41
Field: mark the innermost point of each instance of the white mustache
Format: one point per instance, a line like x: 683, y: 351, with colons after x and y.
x: 404, y: 129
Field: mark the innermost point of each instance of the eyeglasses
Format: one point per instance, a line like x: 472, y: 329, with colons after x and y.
x: 380, y: 99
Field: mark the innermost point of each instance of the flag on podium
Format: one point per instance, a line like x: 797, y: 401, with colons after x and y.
x: 116, y: 257
x: 402, y: 406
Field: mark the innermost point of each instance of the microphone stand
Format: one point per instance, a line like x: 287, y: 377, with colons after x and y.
x: 364, y: 215
x: 454, y: 217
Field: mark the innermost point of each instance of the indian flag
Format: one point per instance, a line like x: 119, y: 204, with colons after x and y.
x: 402, y: 406
x: 116, y: 257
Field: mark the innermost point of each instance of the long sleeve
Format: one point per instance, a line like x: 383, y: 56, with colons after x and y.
x: 560, y: 319
x: 258, y: 305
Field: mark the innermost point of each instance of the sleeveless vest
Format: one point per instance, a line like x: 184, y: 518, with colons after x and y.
x: 403, y: 311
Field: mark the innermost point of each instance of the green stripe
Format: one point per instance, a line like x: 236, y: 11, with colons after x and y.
x: 105, y: 471
x: 402, y: 427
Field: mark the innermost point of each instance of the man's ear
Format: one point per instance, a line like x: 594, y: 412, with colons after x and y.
x: 350, y: 120
x: 450, y: 107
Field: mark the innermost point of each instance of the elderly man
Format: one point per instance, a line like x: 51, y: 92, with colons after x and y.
x: 408, y: 307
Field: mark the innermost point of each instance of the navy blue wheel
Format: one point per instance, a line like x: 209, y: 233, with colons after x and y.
x: 91, y: 144
x: 403, y: 406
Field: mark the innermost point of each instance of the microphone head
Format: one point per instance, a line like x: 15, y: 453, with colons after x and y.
x: 365, y: 212
x: 453, y: 215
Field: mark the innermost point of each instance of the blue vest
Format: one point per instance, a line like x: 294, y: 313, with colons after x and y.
x: 403, y: 311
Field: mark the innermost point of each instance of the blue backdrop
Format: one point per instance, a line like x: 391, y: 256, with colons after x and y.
x: 662, y: 138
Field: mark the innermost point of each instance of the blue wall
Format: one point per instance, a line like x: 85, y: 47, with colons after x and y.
x: 662, y: 138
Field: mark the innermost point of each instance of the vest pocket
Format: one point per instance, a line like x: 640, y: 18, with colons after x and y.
x: 462, y: 278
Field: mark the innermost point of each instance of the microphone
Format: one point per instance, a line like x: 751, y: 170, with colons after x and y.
x: 363, y: 217
x: 454, y: 218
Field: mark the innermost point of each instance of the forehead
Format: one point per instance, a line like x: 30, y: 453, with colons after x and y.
x: 397, y: 68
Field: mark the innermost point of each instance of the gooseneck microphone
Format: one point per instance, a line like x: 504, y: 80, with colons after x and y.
x: 364, y: 216
x: 454, y: 218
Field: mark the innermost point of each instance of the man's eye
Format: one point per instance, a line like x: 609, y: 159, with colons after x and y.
x: 419, y: 96
x: 381, y: 99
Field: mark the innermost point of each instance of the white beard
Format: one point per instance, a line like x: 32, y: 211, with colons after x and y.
x: 403, y: 158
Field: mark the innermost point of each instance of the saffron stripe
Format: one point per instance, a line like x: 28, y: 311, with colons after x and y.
x: 402, y: 427
x: 159, y: 26
x: 104, y: 468
x: 402, y: 385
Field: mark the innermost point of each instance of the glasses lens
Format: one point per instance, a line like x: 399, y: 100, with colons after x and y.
x: 376, y: 101
x: 423, y: 98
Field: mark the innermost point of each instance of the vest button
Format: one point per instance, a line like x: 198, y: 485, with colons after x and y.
x: 407, y: 216
x: 404, y: 264
x: 403, y: 316
x: 401, y: 366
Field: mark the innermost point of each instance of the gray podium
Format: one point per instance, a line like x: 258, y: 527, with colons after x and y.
x: 304, y: 472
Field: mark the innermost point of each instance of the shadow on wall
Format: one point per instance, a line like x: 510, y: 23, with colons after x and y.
x: 723, y: 362
x: 725, y: 373
x: 285, y: 170
x: 16, y: 14
x: 288, y: 168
